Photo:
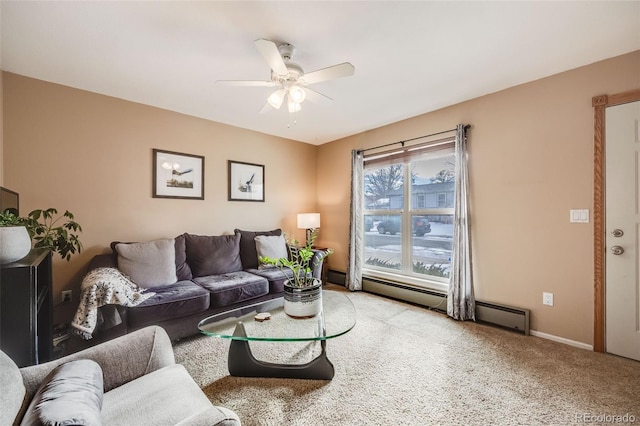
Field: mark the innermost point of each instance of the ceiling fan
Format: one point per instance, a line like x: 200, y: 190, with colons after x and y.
x: 289, y: 78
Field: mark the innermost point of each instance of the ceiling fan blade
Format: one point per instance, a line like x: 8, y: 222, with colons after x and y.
x: 248, y: 83
x: 266, y: 108
x: 337, y: 71
x: 271, y: 54
x: 317, y: 97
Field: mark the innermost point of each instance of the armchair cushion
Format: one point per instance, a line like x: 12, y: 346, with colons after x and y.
x: 164, y: 397
x: 70, y: 395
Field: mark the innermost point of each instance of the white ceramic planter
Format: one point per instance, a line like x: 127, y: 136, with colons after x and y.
x: 303, y: 302
x: 15, y: 243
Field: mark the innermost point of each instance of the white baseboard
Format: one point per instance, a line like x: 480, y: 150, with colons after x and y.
x: 561, y: 340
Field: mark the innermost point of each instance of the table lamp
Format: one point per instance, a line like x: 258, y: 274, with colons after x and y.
x: 308, y: 221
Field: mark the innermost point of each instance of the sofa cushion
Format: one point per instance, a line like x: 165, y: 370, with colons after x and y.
x: 148, y: 264
x: 164, y: 397
x: 271, y: 246
x: 173, y: 301
x: 12, y: 390
x: 275, y: 276
x: 227, y: 289
x: 213, y: 255
x: 70, y: 395
x: 248, y: 252
x: 183, y: 271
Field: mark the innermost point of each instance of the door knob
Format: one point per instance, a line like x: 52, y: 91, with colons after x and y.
x: 617, y: 233
x: 617, y: 250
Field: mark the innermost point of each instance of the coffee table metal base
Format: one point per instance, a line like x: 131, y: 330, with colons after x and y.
x: 242, y: 363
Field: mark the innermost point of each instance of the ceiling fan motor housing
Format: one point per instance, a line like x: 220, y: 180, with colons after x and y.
x: 294, y: 70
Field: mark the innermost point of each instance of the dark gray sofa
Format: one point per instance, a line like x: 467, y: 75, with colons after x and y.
x: 179, y: 306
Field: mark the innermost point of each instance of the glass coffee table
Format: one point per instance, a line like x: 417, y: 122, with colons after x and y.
x: 338, y: 316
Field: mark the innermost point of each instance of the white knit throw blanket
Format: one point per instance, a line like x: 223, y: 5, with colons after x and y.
x: 103, y: 286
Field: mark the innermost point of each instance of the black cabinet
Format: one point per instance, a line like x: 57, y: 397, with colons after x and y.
x: 26, y: 309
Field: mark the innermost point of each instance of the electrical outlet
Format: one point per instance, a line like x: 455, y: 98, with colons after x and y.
x: 66, y: 296
x: 547, y: 299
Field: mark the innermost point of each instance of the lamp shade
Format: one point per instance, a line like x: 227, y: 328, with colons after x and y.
x: 308, y: 220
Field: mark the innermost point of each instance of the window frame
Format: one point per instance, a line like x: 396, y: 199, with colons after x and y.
x: 406, y: 275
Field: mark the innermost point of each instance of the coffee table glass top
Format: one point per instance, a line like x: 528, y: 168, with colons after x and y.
x: 338, y: 316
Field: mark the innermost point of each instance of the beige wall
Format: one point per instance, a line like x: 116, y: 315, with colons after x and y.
x: 531, y: 161
x: 1, y: 129
x: 91, y: 154
x: 531, y: 156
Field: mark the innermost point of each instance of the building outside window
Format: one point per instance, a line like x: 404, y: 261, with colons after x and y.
x: 409, y: 227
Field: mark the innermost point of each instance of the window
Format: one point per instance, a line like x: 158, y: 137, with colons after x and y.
x: 409, y: 227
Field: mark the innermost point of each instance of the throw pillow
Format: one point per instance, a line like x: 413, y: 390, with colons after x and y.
x: 213, y: 255
x: 248, y: 252
x: 70, y: 395
x: 183, y: 271
x: 271, y: 246
x: 148, y: 264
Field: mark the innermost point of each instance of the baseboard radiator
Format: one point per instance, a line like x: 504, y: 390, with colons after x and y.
x: 508, y: 317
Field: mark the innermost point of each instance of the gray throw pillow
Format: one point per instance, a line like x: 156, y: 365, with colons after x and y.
x: 148, y: 264
x: 183, y: 271
x: 272, y: 246
x: 70, y: 395
x: 213, y: 255
x: 248, y: 253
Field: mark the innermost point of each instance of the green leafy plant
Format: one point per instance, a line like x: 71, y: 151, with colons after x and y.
x: 10, y: 219
x: 56, y: 233
x: 374, y: 261
x: 301, y: 262
x: 433, y: 269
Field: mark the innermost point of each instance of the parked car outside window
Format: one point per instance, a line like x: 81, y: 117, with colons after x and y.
x: 420, y: 226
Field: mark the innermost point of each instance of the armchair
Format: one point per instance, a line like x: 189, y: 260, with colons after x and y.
x: 142, y: 385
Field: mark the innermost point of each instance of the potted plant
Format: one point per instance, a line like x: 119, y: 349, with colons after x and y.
x: 302, y: 292
x: 15, y: 242
x: 44, y: 229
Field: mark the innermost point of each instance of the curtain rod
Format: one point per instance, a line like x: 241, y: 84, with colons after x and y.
x: 412, y: 139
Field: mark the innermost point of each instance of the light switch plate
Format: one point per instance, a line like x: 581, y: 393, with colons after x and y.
x: 579, y: 216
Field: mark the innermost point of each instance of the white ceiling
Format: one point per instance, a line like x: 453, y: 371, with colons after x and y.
x: 410, y: 57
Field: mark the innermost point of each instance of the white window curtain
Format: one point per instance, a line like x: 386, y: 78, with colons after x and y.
x: 356, y: 227
x: 460, y: 300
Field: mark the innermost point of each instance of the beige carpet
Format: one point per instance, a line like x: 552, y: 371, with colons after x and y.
x: 405, y: 365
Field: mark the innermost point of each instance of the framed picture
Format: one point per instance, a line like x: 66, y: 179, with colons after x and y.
x: 246, y: 181
x: 178, y: 175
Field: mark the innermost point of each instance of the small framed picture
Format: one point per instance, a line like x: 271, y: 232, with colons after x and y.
x: 246, y: 181
x: 178, y: 175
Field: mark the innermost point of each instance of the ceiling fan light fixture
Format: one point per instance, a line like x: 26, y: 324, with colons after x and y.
x: 276, y: 98
x: 293, y: 106
x: 297, y: 94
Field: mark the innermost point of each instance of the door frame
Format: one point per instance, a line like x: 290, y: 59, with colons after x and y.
x: 600, y: 103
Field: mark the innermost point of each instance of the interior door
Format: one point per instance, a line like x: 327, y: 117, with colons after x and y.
x: 622, y: 309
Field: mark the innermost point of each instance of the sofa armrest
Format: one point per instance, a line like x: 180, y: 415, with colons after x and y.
x: 103, y: 261
x: 122, y: 359
x: 316, y: 263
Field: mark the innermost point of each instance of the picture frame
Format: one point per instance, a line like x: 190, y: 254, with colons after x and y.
x: 246, y: 181
x: 178, y: 175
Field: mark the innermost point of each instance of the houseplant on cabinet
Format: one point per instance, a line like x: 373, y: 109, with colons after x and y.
x: 15, y: 242
x: 302, y: 292
x: 43, y: 229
